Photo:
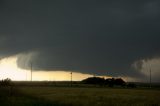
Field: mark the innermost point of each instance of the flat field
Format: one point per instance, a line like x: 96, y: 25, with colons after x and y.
x: 74, y: 96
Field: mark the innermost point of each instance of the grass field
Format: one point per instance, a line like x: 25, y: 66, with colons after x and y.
x: 74, y: 96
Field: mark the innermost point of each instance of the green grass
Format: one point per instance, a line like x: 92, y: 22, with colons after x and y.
x: 13, y: 97
x: 74, y: 96
x: 94, y: 96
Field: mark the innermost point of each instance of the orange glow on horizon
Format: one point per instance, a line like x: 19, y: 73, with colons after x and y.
x: 9, y: 69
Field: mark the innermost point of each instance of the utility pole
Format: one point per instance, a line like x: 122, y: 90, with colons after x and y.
x: 71, y: 78
x: 31, y: 71
x: 94, y: 75
x: 150, y: 77
x: 26, y: 75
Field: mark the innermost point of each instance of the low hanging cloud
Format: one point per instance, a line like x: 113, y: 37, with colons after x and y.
x: 86, y: 36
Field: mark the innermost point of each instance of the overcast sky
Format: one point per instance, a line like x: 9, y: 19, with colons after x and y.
x: 88, y: 36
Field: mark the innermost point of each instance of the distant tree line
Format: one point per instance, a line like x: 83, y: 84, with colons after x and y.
x: 5, y: 82
x: 107, y: 82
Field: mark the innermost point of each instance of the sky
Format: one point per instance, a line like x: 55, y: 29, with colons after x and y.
x: 93, y: 37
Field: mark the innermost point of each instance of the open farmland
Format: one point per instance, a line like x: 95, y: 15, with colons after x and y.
x: 95, y: 96
x: 92, y: 96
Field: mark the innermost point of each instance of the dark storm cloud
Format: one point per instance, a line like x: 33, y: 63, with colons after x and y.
x: 87, y: 36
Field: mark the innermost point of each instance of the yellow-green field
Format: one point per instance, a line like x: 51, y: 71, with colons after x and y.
x: 95, y: 96
x: 72, y: 96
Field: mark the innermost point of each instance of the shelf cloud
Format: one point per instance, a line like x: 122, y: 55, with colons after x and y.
x: 87, y: 36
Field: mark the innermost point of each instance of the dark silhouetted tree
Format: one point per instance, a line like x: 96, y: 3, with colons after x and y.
x: 94, y: 80
x: 101, y: 81
x: 6, y: 82
x: 110, y: 82
x: 120, y: 82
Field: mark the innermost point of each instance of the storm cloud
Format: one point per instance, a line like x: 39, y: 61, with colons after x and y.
x: 87, y: 36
